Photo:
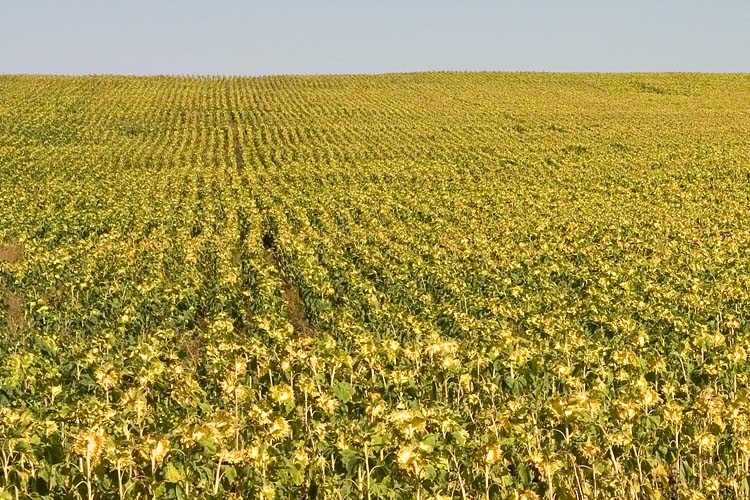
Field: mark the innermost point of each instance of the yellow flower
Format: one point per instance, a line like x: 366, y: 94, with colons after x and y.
x: 669, y: 390
x: 400, y: 377
x: 623, y: 437
x: 673, y: 414
x: 50, y: 427
x: 240, y: 365
x: 267, y: 492
x: 551, y: 467
x: 695, y: 495
x: 710, y: 404
x: 408, y: 459
x: 282, y: 393
x: 376, y: 408
x: 90, y: 444
x: 259, y: 455
x: 660, y: 471
x: 327, y: 403
x: 450, y: 363
x: 301, y: 458
x: 492, y: 456
x: 732, y: 324
x: 738, y: 355
x: 231, y: 388
x: 106, y: 378
x: 744, y: 446
x: 545, y: 465
x: 159, y: 449
x: 392, y: 345
x: 626, y: 410
x: 222, y: 325
x: 233, y: 456
x: 526, y: 495
x: 280, y: 428
x: 650, y: 398
x: 465, y: 381
x: 706, y: 442
x: 590, y: 451
x: 712, y: 484
x: 658, y: 365
x: 406, y: 455
x: 408, y: 422
x: 642, y: 339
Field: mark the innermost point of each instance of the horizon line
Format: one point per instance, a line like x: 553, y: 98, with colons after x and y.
x: 363, y: 74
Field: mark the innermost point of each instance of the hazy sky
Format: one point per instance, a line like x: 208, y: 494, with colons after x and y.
x: 335, y: 36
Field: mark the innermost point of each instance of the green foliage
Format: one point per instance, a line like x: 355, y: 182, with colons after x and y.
x: 443, y: 285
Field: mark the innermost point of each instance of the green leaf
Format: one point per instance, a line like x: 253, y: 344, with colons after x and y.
x: 459, y: 438
x: 209, y: 446
x: 159, y: 490
x: 343, y: 391
x: 380, y: 490
x: 296, y: 475
x: 230, y: 473
x: 350, y: 458
x: 524, y: 474
x: 172, y: 474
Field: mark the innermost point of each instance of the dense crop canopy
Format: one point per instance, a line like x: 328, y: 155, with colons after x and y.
x: 430, y: 286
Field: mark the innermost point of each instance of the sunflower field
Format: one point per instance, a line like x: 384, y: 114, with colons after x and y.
x: 411, y: 286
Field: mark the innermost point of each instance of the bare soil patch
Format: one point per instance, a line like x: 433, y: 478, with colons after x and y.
x: 11, y: 252
x: 14, y: 303
x: 295, y: 309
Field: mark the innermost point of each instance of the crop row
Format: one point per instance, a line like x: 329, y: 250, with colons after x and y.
x: 439, y: 285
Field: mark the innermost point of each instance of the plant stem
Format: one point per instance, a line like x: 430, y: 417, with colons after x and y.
x: 218, y: 477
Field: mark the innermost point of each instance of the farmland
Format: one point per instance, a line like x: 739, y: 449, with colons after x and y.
x: 428, y: 285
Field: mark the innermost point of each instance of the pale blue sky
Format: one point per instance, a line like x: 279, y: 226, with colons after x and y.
x: 337, y: 36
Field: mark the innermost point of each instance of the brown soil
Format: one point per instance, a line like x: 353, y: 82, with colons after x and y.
x: 11, y: 252
x: 190, y: 345
x: 295, y: 309
x: 14, y: 303
x: 237, y: 148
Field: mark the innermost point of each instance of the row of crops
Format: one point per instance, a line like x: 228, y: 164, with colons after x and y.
x: 431, y: 286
